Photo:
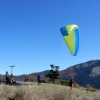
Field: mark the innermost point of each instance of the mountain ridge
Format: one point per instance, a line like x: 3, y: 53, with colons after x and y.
x: 84, y: 73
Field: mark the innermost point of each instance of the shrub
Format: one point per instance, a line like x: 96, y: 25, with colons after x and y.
x: 64, y: 82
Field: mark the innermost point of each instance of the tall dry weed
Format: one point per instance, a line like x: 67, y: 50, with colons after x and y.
x: 45, y: 92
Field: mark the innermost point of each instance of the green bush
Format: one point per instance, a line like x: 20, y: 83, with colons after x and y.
x: 64, y: 82
x: 31, y: 80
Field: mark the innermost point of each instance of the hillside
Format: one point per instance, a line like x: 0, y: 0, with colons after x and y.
x: 32, y: 91
x: 84, y: 73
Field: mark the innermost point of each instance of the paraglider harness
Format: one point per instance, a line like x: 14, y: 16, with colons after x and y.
x: 12, y: 82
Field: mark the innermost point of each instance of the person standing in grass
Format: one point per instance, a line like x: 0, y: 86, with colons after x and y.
x: 71, y: 83
x: 7, y: 77
x: 39, y: 80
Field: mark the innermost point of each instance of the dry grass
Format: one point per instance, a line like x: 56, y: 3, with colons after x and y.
x: 45, y: 92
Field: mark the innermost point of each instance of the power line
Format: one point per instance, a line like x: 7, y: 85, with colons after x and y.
x: 12, y: 70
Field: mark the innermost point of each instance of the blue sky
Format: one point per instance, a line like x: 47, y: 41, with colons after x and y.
x: 30, y: 35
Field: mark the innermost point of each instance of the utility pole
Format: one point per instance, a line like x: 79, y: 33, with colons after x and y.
x: 12, y: 70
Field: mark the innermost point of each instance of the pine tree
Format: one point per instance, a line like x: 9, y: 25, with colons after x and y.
x: 53, y: 73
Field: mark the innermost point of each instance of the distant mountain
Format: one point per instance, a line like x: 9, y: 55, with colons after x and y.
x: 84, y: 73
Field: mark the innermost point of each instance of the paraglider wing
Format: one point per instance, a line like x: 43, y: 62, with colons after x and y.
x: 71, y: 36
